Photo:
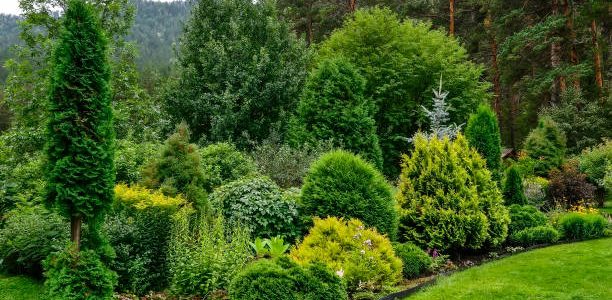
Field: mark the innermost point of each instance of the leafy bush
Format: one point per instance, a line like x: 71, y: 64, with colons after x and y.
x: 545, y: 144
x: 258, y: 204
x: 205, y: 259
x: 283, y: 279
x: 138, y: 230
x: 364, y: 257
x: 525, y: 216
x: 582, y: 226
x: 482, y: 133
x: 415, y: 260
x: 535, y: 190
x: 130, y: 158
x: 274, y: 247
x: 544, y: 234
x: 223, y: 163
x: 20, y: 182
x: 28, y: 236
x: 568, y: 187
x: 596, y: 163
x: 341, y: 184
x: 73, y: 274
x: 447, y: 197
x: 332, y: 107
x: 514, y: 192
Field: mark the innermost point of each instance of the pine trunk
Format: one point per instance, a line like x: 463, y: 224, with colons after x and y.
x: 75, y: 230
x: 494, y: 68
x: 352, y: 5
x: 569, y: 15
x: 451, y: 26
x: 597, y: 59
x: 558, y: 85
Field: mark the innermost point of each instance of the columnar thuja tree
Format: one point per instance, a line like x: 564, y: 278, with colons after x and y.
x: 80, y: 134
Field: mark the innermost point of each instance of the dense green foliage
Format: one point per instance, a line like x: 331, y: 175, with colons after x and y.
x: 514, y: 192
x: 130, y: 157
x: 545, y: 144
x: 27, y: 236
x: 283, y: 279
x: 402, y: 63
x: 543, y: 234
x: 73, y: 274
x: 222, y: 163
x: 447, y: 197
x: 596, y: 163
x: 21, y: 287
x: 482, y: 133
x: 342, y: 184
x: 581, y: 226
x: 333, y: 107
x: 364, y: 257
x: 525, y: 216
x: 535, y: 191
x: 415, y: 260
x: 240, y: 72
x: 568, y: 187
x: 259, y: 205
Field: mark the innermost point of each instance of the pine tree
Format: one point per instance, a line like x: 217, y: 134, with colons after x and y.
x: 482, y: 132
x: 80, y: 137
x: 514, y: 193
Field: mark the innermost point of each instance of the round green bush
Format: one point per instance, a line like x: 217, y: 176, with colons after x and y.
x: 544, y: 234
x: 73, y: 274
x: 525, y: 216
x: 283, y: 279
x: 582, y: 226
x: 223, y: 163
x: 28, y: 236
x: 342, y: 184
x: 416, y: 261
x: 258, y: 204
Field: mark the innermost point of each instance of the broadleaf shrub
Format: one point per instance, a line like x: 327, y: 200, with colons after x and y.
x: 514, y: 192
x: 364, y: 257
x: 544, y: 234
x: 130, y: 158
x: 582, y: 226
x: 596, y: 163
x: 525, y: 216
x: 342, y: 184
x: 545, y: 145
x: 535, y: 190
x: 283, y: 279
x: 223, y: 163
x: 414, y: 259
x: 447, y: 197
x: 568, y: 187
x: 258, y: 204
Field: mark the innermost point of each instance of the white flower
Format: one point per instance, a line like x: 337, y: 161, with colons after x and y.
x: 368, y: 242
x: 362, y: 252
x: 340, y: 273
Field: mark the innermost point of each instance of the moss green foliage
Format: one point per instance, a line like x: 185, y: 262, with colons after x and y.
x: 525, y: 216
x: 80, y: 138
x: 240, y: 72
x: 130, y: 158
x: 21, y: 287
x: 544, y: 234
x: 402, y: 62
x: 568, y: 271
x: 447, y: 197
x: 482, y: 133
x: 514, y: 192
x: 223, y: 163
x: 342, y: 184
x: 333, y: 107
x: 283, y: 279
x: 569, y: 187
x: 258, y: 204
x: 27, y: 236
x: 415, y: 260
x: 138, y: 229
x: 364, y: 257
x: 204, y: 256
x: 545, y: 144
x: 73, y: 274
x: 178, y: 169
x: 595, y: 163
x: 582, y: 226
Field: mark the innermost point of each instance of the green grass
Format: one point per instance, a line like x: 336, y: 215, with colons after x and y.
x: 571, y: 271
x: 20, y: 288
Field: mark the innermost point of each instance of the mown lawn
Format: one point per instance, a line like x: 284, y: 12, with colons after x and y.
x: 20, y: 288
x: 571, y: 271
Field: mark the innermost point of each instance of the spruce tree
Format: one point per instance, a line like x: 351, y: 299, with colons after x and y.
x: 514, y: 192
x: 545, y: 144
x: 80, y: 137
x: 482, y: 133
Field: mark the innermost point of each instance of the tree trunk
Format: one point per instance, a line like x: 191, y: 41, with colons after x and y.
x: 352, y: 5
x: 558, y: 85
x: 494, y: 67
x: 514, y: 100
x: 75, y: 230
x: 597, y: 59
x: 309, y: 33
x: 569, y: 15
x: 451, y: 26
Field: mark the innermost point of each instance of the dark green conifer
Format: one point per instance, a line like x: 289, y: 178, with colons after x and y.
x: 514, y: 192
x: 482, y: 133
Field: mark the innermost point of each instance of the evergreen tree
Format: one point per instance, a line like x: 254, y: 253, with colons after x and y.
x: 333, y: 107
x: 80, y: 137
x: 482, y: 132
x: 514, y: 192
x: 545, y: 144
x: 438, y: 117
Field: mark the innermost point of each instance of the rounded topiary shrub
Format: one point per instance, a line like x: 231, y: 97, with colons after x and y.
x: 283, y: 279
x: 258, y: 204
x: 544, y: 234
x: 525, y: 216
x: 223, y: 163
x: 364, y: 258
x: 447, y: 197
x: 415, y: 260
x: 342, y: 184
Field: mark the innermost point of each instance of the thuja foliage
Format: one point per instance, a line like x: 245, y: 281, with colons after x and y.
x: 333, y: 107
x: 545, y: 144
x: 223, y: 163
x: 80, y: 138
x: 178, y: 169
x: 447, y: 197
x: 482, y: 133
x: 342, y: 184
x: 514, y: 192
